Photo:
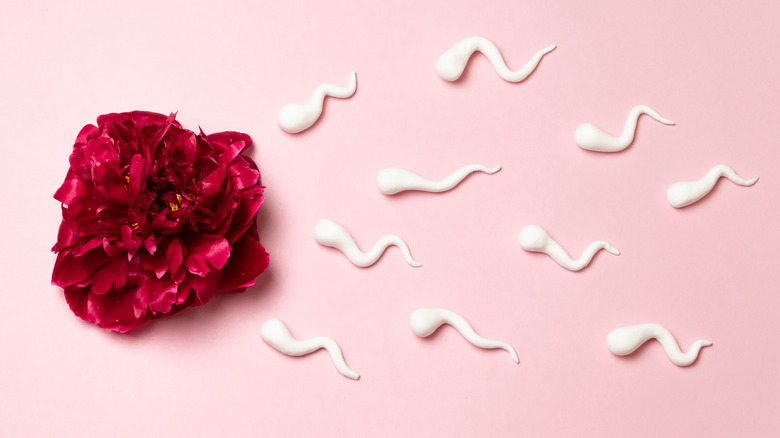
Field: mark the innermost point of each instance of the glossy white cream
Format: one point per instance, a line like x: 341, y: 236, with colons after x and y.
x: 685, y: 193
x: 625, y: 340
x: 425, y: 321
x: 452, y: 63
x: 276, y: 334
x: 331, y: 234
x: 591, y: 137
x: 535, y: 239
x: 395, y: 180
x: 296, y: 117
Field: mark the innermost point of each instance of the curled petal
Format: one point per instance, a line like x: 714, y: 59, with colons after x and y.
x: 70, y: 190
x: 112, y: 311
x: 156, y: 295
x: 174, y: 255
x: 241, y: 174
x: 222, y: 140
x: 245, y: 212
x: 248, y: 260
x: 70, y: 270
x: 65, y: 237
x: 204, y: 287
x: 211, y: 248
x: 114, y: 274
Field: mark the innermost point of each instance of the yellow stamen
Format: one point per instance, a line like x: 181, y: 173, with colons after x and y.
x: 127, y: 178
x: 175, y: 206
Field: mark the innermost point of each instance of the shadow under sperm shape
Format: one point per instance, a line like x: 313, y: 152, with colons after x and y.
x: 681, y: 194
x: 534, y: 238
x: 425, y: 321
x: 452, y: 63
x: 296, y: 117
x: 625, y: 340
x: 329, y: 233
x: 395, y: 180
x: 278, y: 336
x: 591, y: 137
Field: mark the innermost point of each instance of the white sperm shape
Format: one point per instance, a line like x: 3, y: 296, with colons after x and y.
x: 329, y: 233
x: 591, y: 137
x: 534, y: 238
x: 277, y: 335
x: 681, y: 194
x: 296, y: 117
x: 625, y: 340
x: 425, y: 321
x: 451, y: 63
x: 395, y: 180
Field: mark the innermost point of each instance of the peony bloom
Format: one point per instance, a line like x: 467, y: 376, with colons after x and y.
x: 155, y: 218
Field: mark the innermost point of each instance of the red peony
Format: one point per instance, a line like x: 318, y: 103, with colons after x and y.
x: 155, y: 218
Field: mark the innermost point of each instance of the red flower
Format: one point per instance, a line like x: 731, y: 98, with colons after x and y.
x: 155, y: 218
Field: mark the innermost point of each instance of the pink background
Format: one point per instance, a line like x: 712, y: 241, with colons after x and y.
x: 708, y: 271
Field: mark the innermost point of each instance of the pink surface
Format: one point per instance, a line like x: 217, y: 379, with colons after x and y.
x: 706, y: 271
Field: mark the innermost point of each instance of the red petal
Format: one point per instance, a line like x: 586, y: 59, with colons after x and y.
x: 212, y: 182
x: 241, y: 174
x: 65, y: 237
x: 70, y: 190
x: 248, y: 260
x: 250, y: 202
x: 154, y: 294
x: 113, y: 275
x: 150, y: 245
x: 156, y: 262
x: 209, y: 247
x: 69, y: 270
x: 112, y: 311
x: 205, y: 287
x: 222, y: 140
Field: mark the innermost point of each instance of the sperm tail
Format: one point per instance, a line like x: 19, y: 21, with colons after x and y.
x: 644, y: 109
x: 335, y: 90
x: 494, y: 56
x: 459, y: 175
x: 590, y: 252
x: 729, y: 173
x: 633, y: 117
x: 563, y: 258
x: 386, y: 241
x: 336, y: 356
x: 465, y: 329
x: 672, y: 349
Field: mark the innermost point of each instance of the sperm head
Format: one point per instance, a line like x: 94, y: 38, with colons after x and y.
x: 424, y: 322
x: 589, y: 136
x: 294, y: 118
x: 678, y: 194
x: 622, y: 341
x: 328, y: 233
x: 533, y: 238
x: 274, y: 330
x: 450, y: 65
x: 389, y: 180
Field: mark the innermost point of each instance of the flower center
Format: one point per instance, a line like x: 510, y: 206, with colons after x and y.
x: 174, y: 206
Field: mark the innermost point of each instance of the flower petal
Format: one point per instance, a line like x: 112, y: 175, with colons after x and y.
x: 110, y: 311
x: 69, y: 270
x: 70, y: 190
x: 245, y: 213
x: 205, y: 287
x: 248, y: 260
x: 212, y: 248
x: 114, y: 274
